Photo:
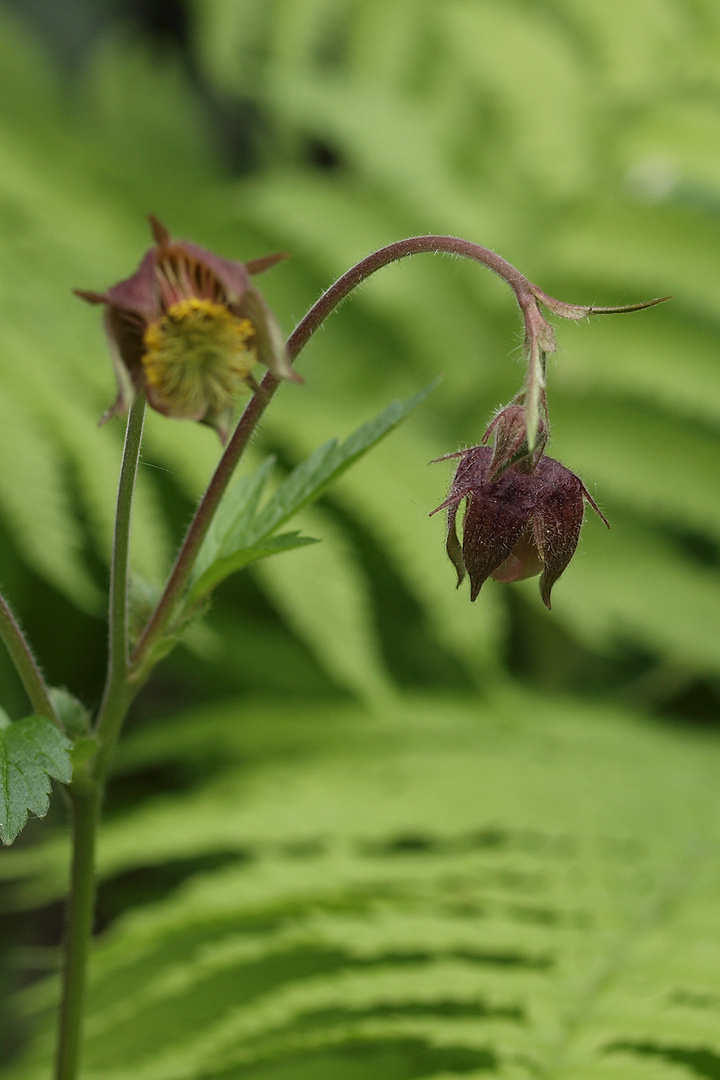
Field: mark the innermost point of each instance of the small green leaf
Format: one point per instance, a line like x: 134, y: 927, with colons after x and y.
x: 238, y: 537
x: 233, y: 517
x: 31, y: 751
x: 73, y: 715
x: 227, y: 565
x: 313, y: 477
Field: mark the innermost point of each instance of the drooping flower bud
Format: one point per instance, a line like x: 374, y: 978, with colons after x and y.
x: 519, y: 525
x: 188, y: 327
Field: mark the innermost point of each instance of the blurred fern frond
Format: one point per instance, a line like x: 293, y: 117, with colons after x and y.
x: 514, y: 887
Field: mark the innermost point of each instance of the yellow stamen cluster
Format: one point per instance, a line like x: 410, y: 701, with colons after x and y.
x: 198, y: 357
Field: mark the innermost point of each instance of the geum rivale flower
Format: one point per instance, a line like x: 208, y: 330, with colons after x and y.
x: 521, y: 524
x: 188, y: 327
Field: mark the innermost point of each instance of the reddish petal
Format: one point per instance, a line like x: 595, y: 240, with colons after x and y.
x: 560, y: 510
x: 468, y: 475
x: 524, y: 561
x: 138, y: 293
x: 472, y: 469
x: 452, y: 545
x: 233, y: 276
x: 496, y: 516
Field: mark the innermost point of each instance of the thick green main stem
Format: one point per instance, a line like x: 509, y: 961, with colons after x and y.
x: 88, y: 784
x: 80, y: 910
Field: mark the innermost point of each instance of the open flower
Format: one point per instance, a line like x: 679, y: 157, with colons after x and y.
x: 522, y: 524
x: 188, y: 327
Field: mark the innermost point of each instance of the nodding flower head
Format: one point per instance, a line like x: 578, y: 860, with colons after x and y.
x: 516, y: 526
x: 188, y: 327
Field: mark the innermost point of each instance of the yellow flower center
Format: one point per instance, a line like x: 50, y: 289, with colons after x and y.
x: 198, y: 357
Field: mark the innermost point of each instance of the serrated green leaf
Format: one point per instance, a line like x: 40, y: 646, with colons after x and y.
x: 31, y: 752
x: 230, y: 524
x: 239, y: 536
x: 223, y: 567
x: 313, y: 477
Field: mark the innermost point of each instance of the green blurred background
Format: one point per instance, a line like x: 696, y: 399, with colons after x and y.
x: 352, y: 709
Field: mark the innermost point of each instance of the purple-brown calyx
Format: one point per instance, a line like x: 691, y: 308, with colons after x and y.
x: 524, y: 522
x: 187, y: 328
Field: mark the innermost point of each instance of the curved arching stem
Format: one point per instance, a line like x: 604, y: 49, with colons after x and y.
x: 539, y: 341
